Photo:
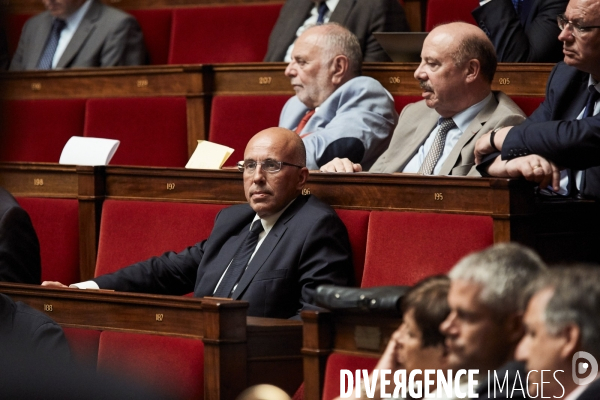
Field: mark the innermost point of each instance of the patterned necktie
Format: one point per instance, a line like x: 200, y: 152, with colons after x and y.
x: 48, y: 54
x: 437, y: 148
x: 303, y: 121
x: 240, y: 261
x: 322, y: 10
x: 517, y: 4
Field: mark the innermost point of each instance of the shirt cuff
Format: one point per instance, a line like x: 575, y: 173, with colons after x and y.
x: 482, y: 2
x: 85, y: 285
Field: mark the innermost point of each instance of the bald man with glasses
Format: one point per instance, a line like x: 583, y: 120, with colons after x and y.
x: 558, y: 146
x: 272, y: 252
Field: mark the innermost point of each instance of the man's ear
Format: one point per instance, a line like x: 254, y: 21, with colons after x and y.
x: 514, y: 327
x: 338, y: 69
x: 472, y: 70
x: 572, y: 335
x: 302, y: 178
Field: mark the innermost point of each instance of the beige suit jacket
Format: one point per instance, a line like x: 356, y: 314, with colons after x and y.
x: 417, y: 121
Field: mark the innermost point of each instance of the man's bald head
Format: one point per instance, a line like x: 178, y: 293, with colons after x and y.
x: 469, y: 42
x: 286, y: 140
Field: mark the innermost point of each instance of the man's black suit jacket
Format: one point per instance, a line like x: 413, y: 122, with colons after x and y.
x: 361, y: 17
x: 307, y: 247
x: 530, y: 37
x: 553, y: 131
x: 19, y: 246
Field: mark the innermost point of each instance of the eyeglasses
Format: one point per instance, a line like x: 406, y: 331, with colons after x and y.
x: 577, y: 29
x: 268, y: 165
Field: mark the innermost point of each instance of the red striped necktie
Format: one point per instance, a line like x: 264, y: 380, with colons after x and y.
x: 304, y: 120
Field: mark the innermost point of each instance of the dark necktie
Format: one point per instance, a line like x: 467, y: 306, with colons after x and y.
x: 437, y: 148
x: 322, y: 10
x: 517, y: 4
x: 239, y: 262
x: 51, y: 44
x: 304, y: 120
x: 593, y: 96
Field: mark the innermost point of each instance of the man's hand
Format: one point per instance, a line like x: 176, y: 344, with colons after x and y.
x: 483, y: 146
x: 388, y: 360
x: 341, y: 165
x: 54, y: 284
x: 535, y: 168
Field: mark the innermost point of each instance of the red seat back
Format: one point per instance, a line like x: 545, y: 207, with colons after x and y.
x: 220, y: 34
x: 235, y: 119
x: 56, y: 222
x: 404, y: 247
x: 156, y: 26
x: 337, y: 362
x: 14, y: 27
x: 84, y: 345
x: 37, y: 130
x: 357, y: 223
x: 528, y: 103
x: 132, y: 231
x: 152, y: 130
x: 443, y: 11
x: 402, y: 101
x: 169, y: 364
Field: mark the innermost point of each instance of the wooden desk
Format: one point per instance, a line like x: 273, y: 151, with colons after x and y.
x: 267, y: 349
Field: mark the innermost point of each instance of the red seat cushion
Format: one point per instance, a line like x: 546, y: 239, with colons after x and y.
x: 169, y: 364
x: 37, y: 130
x: 444, y: 11
x: 235, y: 119
x: 156, y: 26
x: 528, y: 103
x: 337, y: 362
x: 403, y: 247
x: 84, y: 345
x: 357, y: 223
x: 402, y: 101
x: 132, y: 231
x: 152, y: 131
x: 56, y: 222
x: 219, y: 34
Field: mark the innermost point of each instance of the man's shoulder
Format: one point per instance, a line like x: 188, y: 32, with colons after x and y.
x: 506, y: 104
x: 237, y: 211
x: 311, y: 209
x: 361, y: 84
x: 7, y: 202
x: 25, y: 320
x: 107, y: 13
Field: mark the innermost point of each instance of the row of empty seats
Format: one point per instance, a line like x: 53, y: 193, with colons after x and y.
x: 388, y: 247
x: 194, y: 35
x: 153, y: 131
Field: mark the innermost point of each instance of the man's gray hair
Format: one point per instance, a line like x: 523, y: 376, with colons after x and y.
x: 576, y: 300
x: 504, y: 271
x: 339, y: 40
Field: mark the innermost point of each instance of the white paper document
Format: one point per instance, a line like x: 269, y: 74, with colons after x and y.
x: 209, y: 155
x: 81, y: 150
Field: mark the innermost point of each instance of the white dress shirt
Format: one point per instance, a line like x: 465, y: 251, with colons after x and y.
x: 71, y: 24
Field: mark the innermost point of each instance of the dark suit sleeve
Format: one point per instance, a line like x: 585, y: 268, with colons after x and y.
x: 326, y: 259
x: 387, y: 16
x: 19, y: 248
x: 172, y: 273
x: 124, y: 45
x: 569, y: 143
x: 535, y: 42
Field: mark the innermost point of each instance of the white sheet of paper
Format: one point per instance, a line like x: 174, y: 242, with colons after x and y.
x: 88, y: 151
x: 209, y: 155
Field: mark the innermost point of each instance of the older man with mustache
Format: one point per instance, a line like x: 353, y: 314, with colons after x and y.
x: 436, y: 136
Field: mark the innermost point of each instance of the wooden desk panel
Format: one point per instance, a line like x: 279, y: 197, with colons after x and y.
x: 39, y: 180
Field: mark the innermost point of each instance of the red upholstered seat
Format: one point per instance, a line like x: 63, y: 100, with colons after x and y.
x: 235, y: 119
x: 132, y: 231
x: 84, y: 345
x: 219, y: 34
x: 443, y: 11
x: 37, y: 130
x: 336, y: 362
x: 528, y: 103
x: 357, y: 223
x: 169, y: 364
x: 56, y: 222
x: 402, y: 101
x: 14, y: 26
x: 152, y: 131
x: 156, y: 26
x: 404, y: 247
